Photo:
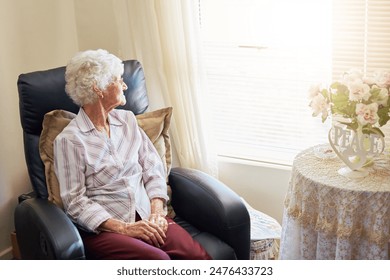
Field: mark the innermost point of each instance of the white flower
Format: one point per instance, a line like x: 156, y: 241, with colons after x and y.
x: 382, y: 79
x: 358, y: 91
x: 314, y: 90
x: 319, y: 105
x: 367, y: 114
x: 352, y: 76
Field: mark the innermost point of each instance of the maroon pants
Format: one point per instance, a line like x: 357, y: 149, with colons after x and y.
x: 178, y: 245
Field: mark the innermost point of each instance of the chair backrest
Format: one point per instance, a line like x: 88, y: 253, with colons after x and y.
x: 43, y: 91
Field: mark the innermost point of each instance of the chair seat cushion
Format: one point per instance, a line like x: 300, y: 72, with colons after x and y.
x: 215, y: 247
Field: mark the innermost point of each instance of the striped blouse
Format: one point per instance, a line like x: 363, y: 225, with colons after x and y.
x: 105, y: 177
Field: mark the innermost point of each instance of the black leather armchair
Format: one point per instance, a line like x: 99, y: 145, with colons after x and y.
x: 212, y: 213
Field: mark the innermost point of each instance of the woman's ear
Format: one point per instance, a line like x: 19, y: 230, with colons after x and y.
x: 97, y: 90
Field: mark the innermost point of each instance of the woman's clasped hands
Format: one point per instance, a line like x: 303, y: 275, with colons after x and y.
x: 151, y: 231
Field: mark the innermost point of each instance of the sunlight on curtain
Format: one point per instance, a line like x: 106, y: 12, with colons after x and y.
x: 164, y: 37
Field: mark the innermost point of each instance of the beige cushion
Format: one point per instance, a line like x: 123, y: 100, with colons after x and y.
x: 155, y: 124
x: 53, y: 123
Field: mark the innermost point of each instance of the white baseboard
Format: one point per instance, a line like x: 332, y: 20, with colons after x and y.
x: 6, y: 254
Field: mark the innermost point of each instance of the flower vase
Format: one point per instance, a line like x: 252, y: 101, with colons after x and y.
x: 355, y: 148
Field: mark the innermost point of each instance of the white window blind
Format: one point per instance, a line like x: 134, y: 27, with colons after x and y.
x: 262, y: 56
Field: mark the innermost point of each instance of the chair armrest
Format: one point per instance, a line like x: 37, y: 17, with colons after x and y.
x: 44, y: 231
x: 211, y: 206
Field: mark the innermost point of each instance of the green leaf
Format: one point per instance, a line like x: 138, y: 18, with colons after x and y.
x: 352, y: 126
x: 325, y: 94
x: 340, y: 100
x: 375, y: 93
x: 383, y: 114
x: 340, y: 97
x: 341, y: 88
x: 373, y: 130
x: 343, y: 107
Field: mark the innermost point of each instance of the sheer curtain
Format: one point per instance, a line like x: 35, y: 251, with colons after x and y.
x: 164, y: 37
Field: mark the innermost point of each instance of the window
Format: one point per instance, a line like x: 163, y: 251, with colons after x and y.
x: 262, y: 56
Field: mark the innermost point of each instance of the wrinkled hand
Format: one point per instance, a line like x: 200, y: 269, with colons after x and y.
x: 158, y: 213
x: 147, y: 231
x: 160, y: 221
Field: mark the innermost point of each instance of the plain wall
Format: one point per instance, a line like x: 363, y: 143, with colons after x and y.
x: 263, y: 186
x: 37, y: 34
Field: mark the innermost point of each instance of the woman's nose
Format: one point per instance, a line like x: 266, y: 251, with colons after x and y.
x: 124, y: 86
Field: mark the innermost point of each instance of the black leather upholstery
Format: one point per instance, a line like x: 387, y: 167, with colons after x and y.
x: 218, y: 210
x: 210, y: 211
x: 51, y: 235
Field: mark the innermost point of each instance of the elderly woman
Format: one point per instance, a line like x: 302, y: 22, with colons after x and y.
x: 112, y: 181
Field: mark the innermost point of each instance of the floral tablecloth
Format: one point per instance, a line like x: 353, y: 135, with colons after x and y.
x: 328, y: 216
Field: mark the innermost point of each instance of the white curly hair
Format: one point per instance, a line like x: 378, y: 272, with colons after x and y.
x: 89, y: 68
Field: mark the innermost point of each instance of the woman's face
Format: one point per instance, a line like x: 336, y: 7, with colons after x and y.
x: 113, y: 94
